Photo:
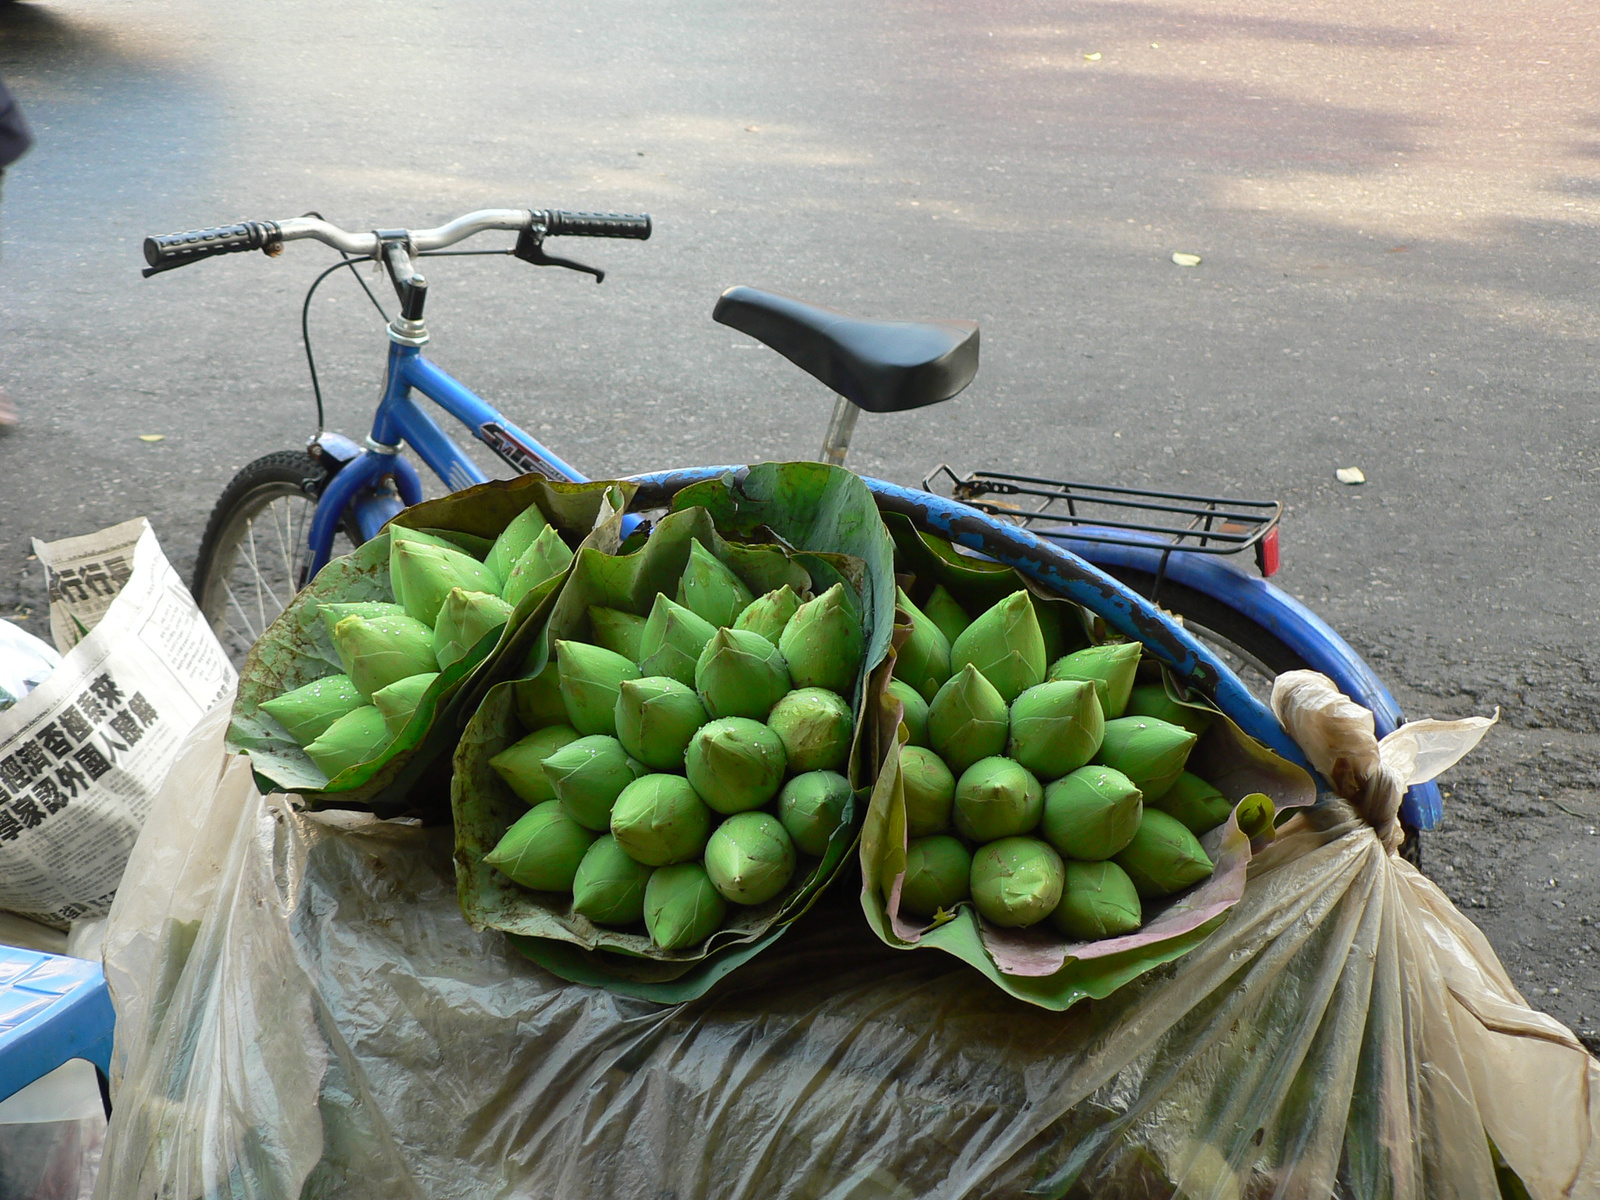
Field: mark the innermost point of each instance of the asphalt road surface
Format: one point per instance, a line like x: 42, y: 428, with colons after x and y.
x: 1397, y: 207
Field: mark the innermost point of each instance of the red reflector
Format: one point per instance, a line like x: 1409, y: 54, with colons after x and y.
x: 1267, y: 553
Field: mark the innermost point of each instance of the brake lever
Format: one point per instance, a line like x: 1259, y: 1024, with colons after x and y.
x: 530, y: 248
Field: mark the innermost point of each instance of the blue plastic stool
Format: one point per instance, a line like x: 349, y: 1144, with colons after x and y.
x: 52, y: 1009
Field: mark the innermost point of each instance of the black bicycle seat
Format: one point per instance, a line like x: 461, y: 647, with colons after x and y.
x: 881, y: 366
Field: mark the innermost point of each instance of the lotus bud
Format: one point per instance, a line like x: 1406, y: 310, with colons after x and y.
x: 814, y: 726
x: 1163, y: 856
x: 824, y: 643
x: 656, y: 716
x: 538, y: 700
x: 740, y: 674
x: 590, y: 678
x: 1091, y: 814
x: 617, y: 631
x: 609, y: 886
x: 938, y: 876
x: 672, y: 640
x: 1052, y: 628
x: 1148, y: 751
x: 914, y: 720
x: 548, y: 557
x: 996, y: 798
x: 709, y: 590
x: 521, y: 764
x: 333, y: 613
x: 750, y: 858
x: 659, y: 819
x: 1056, y: 727
x: 735, y: 764
x: 923, y: 659
x: 399, y: 533
x: 383, y: 650
x: 1110, y: 667
x: 514, y: 540
x: 769, y: 615
x: 1151, y: 700
x: 588, y: 775
x: 357, y: 737
x: 307, y: 711
x: 423, y: 575
x: 930, y: 790
x: 1005, y: 644
x: 399, y: 700
x: 812, y: 807
x: 967, y: 720
x: 543, y: 850
x: 1017, y: 881
x: 1197, y: 805
x: 464, y: 619
x: 1098, y: 901
x: 681, y: 906
x: 946, y: 613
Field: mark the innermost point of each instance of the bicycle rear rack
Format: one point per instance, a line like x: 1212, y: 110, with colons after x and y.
x: 1098, y: 514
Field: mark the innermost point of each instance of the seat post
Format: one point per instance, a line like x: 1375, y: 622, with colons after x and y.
x: 836, y: 443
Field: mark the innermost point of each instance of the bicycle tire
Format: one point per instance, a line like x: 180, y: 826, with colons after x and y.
x: 277, y: 492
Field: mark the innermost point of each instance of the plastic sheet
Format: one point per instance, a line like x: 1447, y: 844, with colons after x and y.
x: 304, y: 1012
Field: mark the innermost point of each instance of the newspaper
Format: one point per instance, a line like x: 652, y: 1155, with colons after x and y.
x: 82, y: 755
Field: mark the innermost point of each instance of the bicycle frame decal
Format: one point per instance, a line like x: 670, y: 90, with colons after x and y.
x: 524, y: 458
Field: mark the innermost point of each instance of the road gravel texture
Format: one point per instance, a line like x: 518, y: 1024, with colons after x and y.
x: 1397, y: 209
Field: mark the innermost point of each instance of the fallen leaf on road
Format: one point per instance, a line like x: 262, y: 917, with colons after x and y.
x: 1095, y: 57
x: 152, y: 437
x: 1350, y: 475
x: 1185, y: 259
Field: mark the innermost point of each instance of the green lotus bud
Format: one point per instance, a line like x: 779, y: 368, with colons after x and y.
x: 589, y: 678
x: 464, y: 619
x: 1056, y: 727
x: 515, y: 539
x: 735, y: 764
x: 1197, y: 805
x: 1006, y: 644
x: 659, y: 819
x: 609, y: 886
x: 812, y: 806
x: 1098, y: 901
x: 543, y: 850
x: 333, y: 613
x: 399, y: 533
x: 588, y: 775
x: 681, y: 906
x: 814, y: 726
x: 968, y: 719
x: 423, y: 575
x: 656, y: 717
x: 824, y: 643
x: 750, y: 858
x: 930, y: 790
x: 383, y: 650
x: 946, y: 613
x: 938, y: 876
x: 769, y: 615
x: 1148, y: 751
x: 1051, y: 626
x: 1091, y: 814
x: 308, y: 710
x: 545, y: 559
x: 357, y: 737
x: 617, y: 631
x: 740, y: 674
x: 538, y: 700
x: 923, y: 660
x: 672, y: 640
x: 399, y: 700
x: 996, y: 798
x: 1110, y: 667
x: 1163, y: 856
x: 1017, y: 881
x: 914, y: 720
x: 521, y: 764
x: 709, y: 590
x: 1151, y: 700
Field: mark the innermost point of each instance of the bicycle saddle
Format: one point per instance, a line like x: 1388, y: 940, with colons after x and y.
x: 881, y: 366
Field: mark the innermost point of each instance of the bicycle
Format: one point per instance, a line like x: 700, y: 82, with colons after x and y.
x: 1237, y: 630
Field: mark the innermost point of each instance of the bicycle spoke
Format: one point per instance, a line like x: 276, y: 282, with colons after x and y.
x: 233, y: 602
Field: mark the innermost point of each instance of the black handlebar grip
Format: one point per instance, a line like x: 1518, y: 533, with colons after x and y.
x: 604, y: 225
x: 171, y: 250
